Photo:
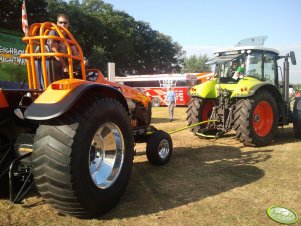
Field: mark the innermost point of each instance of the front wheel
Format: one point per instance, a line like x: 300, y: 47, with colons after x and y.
x: 199, y: 110
x: 159, y: 148
x: 82, y: 161
x: 256, y: 119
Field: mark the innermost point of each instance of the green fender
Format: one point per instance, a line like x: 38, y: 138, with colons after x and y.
x: 245, y: 87
x: 205, y: 90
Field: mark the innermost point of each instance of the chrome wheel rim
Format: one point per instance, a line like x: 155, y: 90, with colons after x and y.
x: 106, y: 155
x: 163, y: 149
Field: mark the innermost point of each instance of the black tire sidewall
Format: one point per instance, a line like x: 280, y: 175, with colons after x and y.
x: 258, y: 140
x: 152, y: 148
x: 195, y: 111
x: 87, y: 192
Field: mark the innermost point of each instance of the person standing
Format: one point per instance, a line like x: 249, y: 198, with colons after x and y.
x: 170, y: 100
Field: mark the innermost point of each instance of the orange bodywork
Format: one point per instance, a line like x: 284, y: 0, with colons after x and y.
x: 58, y: 90
x: 3, y: 101
x: 204, y: 77
x: 127, y: 91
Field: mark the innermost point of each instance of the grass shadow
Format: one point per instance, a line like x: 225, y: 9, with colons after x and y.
x: 193, y: 174
x: 33, y: 192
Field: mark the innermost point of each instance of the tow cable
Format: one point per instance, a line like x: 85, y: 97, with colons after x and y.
x: 191, y: 126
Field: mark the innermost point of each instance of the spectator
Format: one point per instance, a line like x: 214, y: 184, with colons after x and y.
x: 170, y: 100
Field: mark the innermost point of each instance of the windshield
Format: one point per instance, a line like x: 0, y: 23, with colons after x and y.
x: 230, y: 67
x: 226, y: 66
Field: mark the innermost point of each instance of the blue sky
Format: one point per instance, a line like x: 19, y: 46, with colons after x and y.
x: 202, y: 26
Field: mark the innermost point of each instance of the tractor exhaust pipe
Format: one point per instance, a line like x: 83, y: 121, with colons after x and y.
x: 286, y: 80
x: 286, y: 74
x: 286, y: 97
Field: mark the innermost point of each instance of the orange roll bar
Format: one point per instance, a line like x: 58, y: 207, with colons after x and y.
x: 38, y: 36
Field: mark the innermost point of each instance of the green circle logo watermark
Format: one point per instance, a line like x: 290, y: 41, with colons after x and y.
x: 282, y: 215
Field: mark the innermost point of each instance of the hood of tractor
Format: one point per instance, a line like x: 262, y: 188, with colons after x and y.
x: 242, y: 88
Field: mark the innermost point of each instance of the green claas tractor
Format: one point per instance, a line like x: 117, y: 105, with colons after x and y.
x: 246, y: 95
x: 72, y: 135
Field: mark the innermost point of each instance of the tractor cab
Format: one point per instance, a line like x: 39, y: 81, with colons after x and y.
x: 232, y: 65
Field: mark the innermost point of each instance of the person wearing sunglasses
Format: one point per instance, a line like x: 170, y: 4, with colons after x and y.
x: 59, y: 46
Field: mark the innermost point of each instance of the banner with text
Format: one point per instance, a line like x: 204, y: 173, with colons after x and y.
x: 12, y: 67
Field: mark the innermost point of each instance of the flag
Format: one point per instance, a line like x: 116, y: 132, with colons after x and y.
x: 24, y: 19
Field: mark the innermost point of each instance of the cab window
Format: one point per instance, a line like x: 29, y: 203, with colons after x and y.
x: 254, y: 65
x: 270, y: 68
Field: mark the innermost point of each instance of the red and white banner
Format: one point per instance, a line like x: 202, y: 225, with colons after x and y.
x: 24, y: 19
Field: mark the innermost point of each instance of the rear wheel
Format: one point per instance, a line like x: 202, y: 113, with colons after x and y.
x: 159, y: 148
x: 199, y: 110
x: 82, y: 161
x: 297, y: 118
x: 256, y: 119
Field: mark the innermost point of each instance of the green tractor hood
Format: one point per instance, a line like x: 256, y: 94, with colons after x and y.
x: 243, y: 88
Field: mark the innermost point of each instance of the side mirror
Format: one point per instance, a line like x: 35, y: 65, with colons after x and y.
x: 293, y: 58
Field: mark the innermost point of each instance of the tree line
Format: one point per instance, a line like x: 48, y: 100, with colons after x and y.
x: 108, y: 35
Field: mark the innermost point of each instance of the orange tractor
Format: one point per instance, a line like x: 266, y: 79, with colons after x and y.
x: 72, y: 136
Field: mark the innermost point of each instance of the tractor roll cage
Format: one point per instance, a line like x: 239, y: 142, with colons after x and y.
x: 39, y: 58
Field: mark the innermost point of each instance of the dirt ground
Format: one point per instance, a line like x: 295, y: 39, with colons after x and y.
x: 207, y: 182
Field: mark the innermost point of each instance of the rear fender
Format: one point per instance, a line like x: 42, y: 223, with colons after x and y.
x: 60, y: 96
x: 253, y: 90
x: 247, y: 91
x: 248, y: 87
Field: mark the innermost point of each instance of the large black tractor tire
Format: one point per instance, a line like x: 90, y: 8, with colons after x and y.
x: 297, y: 118
x: 159, y: 148
x: 82, y: 161
x: 256, y: 119
x: 198, y: 110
